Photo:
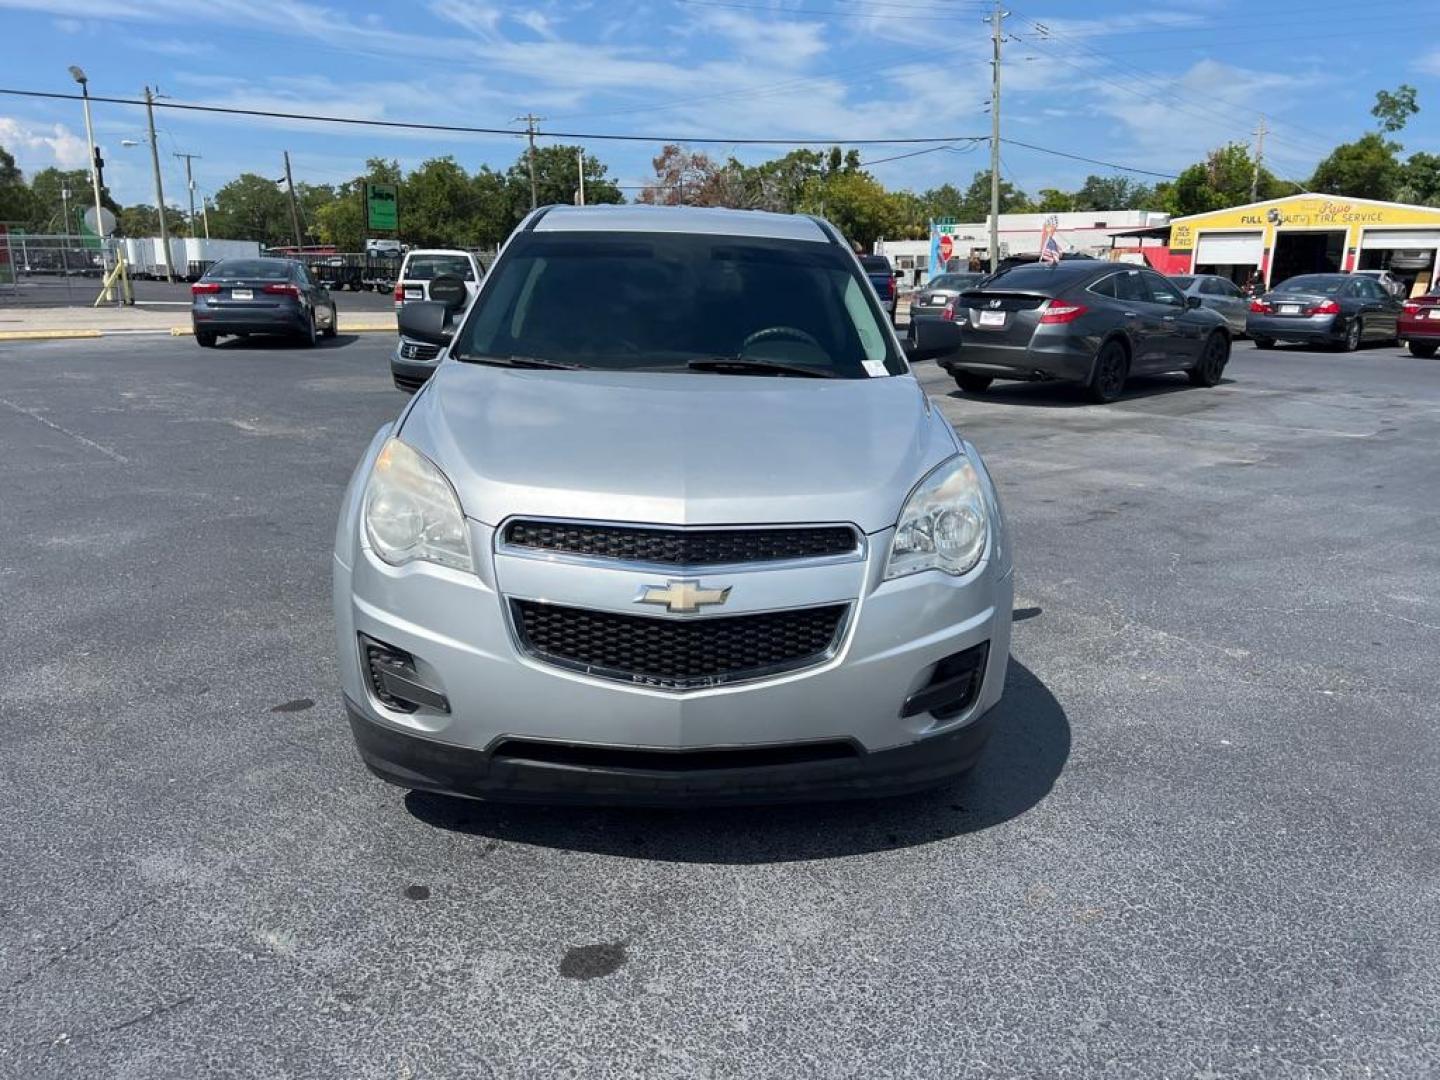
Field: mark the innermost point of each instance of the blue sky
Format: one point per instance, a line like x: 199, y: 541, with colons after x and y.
x: 1147, y: 84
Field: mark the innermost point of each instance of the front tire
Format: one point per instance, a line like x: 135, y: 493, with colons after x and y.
x: 1210, y: 368
x: 1107, y: 380
x: 1423, y: 350
x: 1354, y: 334
x: 973, y: 384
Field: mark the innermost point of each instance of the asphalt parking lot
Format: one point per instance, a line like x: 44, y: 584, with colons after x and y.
x: 1205, y: 841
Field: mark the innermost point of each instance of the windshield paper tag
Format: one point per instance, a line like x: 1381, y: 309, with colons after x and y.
x: 875, y: 368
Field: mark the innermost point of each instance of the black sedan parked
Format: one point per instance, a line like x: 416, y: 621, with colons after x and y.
x: 1335, y: 309
x: 936, y: 298
x: 1084, y: 321
x: 260, y: 296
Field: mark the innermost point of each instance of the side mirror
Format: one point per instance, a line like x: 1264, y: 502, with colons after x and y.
x: 427, y: 321
x: 1192, y: 302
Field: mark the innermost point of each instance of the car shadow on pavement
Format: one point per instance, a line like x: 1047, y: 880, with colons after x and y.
x: 1060, y: 395
x: 1027, y: 751
x: 271, y: 342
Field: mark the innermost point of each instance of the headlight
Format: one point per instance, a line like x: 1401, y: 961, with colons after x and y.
x: 412, y: 512
x: 944, y: 524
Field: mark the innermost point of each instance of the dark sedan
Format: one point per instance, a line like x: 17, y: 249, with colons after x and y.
x: 260, y: 296
x: 1342, y: 310
x: 1083, y: 321
x: 936, y: 298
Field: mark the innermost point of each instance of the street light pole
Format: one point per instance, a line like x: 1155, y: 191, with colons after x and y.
x: 190, y: 185
x: 79, y: 76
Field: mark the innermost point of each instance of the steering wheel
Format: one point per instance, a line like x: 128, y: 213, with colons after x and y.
x: 771, y: 332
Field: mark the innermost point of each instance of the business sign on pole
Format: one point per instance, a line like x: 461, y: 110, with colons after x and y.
x: 382, y: 208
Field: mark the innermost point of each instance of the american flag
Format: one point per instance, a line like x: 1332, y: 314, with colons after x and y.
x: 1049, y: 245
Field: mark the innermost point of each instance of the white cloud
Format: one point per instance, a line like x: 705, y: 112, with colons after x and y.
x: 70, y: 26
x: 42, y: 147
x: 775, y: 42
x: 1430, y: 64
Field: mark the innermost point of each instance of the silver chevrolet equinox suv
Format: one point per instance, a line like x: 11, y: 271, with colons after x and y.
x: 672, y: 522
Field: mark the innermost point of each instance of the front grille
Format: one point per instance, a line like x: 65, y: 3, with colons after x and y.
x: 677, y: 654
x: 683, y: 547
x: 419, y: 351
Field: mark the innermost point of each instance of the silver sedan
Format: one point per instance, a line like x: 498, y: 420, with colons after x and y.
x: 1218, y: 294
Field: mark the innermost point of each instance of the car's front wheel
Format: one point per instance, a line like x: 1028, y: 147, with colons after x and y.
x: 1209, y: 369
x: 1107, y: 380
x: 972, y: 384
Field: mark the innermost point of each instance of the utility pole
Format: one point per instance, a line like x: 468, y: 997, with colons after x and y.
x: 1260, y: 132
x: 190, y: 185
x: 580, y: 161
x: 530, y: 121
x: 996, y: 20
x: 294, y: 206
x: 159, y: 186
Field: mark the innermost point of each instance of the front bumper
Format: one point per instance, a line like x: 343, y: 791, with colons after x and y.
x: 455, y: 627
x: 1328, y: 328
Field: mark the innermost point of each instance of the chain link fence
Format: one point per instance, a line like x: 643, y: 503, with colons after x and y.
x: 49, y: 268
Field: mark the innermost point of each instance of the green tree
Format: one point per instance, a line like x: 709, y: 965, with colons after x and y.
x: 1054, y: 201
x: 1419, y: 180
x: 1364, y: 169
x: 15, y: 197
x: 437, y: 211
x: 1113, y: 193
x: 252, y: 207
x: 341, y: 221
x: 976, y: 203
x: 1394, y: 110
x: 557, y: 180
x: 944, y: 202
x: 1222, y: 179
x: 856, y: 204
x: 47, y: 204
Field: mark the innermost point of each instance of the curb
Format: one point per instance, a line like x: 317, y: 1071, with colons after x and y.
x: 44, y: 335
x: 174, y: 331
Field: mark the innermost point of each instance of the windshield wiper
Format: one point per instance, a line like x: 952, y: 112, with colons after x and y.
x: 738, y: 365
x: 517, y: 361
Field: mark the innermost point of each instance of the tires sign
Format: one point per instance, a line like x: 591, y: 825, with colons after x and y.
x: 381, y: 207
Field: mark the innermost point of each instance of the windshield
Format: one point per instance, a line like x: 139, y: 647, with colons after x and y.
x: 1324, y: 284
x: 429, y: 267
x: 875, y: 264
x: 953, y: 281
x: 264, y: 269
x: 657, y: 301
x: 1182, y: 282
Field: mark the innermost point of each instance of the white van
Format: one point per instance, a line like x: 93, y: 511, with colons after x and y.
x: 384, y: 248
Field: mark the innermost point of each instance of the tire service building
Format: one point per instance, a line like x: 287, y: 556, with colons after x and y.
x: 1309, y: 234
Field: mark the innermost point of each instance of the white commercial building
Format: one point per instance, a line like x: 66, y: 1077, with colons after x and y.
x: 1086, y: 232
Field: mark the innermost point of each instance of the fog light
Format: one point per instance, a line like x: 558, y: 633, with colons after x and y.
x: 953, y: 687
x: 394, y: 680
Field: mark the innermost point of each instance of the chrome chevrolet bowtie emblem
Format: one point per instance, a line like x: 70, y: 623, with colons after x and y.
x: 681, y: 596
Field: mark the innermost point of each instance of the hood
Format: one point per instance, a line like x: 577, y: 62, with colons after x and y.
x: 677, y: 449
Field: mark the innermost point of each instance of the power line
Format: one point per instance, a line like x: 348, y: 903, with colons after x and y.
x: 1090, y: 160
x: 472, y: 130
